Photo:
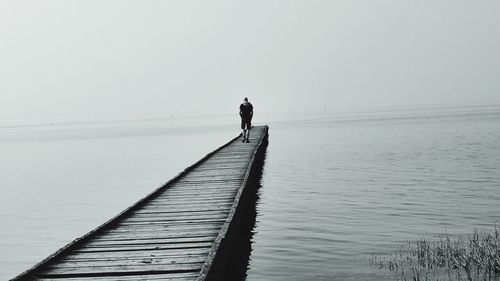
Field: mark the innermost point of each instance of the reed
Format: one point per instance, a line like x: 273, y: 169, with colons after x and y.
x: 467, y: 257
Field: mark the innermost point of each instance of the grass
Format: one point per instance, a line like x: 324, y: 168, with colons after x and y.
x: 468, y: 257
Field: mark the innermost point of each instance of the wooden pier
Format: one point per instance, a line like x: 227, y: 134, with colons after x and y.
x: 181, y: 231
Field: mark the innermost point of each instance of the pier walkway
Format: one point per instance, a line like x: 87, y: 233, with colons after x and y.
x: 179, y: 232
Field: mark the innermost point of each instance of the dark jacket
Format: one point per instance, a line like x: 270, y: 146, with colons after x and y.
x: 246, y: 110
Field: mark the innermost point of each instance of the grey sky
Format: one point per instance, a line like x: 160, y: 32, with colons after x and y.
x: 87, y: 60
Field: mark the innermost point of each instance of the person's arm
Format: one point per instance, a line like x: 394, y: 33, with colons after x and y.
x: 241, y: 112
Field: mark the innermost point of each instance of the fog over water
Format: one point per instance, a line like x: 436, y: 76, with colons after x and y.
x: 64, y: 61
x: 384, y: 120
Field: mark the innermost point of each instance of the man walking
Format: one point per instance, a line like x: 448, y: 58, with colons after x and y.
x: 246, y: 113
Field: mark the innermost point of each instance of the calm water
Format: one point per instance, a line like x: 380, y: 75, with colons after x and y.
x: 335, y: 188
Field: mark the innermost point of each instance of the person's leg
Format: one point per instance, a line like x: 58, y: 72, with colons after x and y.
x: 249, y: 125
x: 243, y: 128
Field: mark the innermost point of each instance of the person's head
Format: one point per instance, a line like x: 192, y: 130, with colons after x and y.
x: 245, y: 99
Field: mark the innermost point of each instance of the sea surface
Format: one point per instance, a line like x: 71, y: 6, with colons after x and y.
x: 335, y: 189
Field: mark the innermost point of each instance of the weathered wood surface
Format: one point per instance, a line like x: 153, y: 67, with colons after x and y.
x: 174, y: 233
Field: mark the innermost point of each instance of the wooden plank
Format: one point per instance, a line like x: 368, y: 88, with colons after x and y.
x: 54, y: 271
x: 199, y: 193
x: 157, y: 247
x: 131, y: 259
x: 235, y: 175
x: 187, y: 192
x: 185, y: 227
x: 186, y: 208
x: 183, y: 208
x: 207, y: 179
x: 199, y: 196
x: 144, y: 238
x: 208, y: 182
x: 134, y: 235
x: 146, y: 247
x: 210, y: 188
x: 151, y: 237
x: 124, y: 238
x: 195, y: 191
x: 178, y: 215
x: 218, y: 172
x: 172, y: 222
x: 152, y: 276
x: 155, y: 211
x: 187, y: 276
x: 183, y: 202
x: 160, y: 230
x: 190, y: 213
x: 147, y: 233
x: 201, y: 205
x: 134, y: 259
x: 137, y: 254
x: 169, y: 219
x: 242, y: 157
x: 238, y: 151
x: 170, y: 240
x: 221, y: 167
x: 163, y: 277
x: 161, y: 261
x: 216, y: 162
x: 175, y: 217
x: 193, y: 199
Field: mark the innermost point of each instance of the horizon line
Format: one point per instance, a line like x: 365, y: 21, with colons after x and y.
x: 300, y: 111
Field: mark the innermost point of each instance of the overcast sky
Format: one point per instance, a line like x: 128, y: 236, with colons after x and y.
x: 64, y: 61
